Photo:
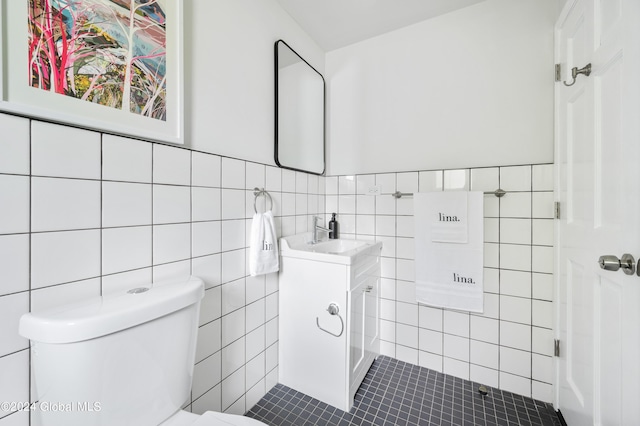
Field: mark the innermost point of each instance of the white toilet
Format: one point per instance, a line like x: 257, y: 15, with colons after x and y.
x: 120, y: 360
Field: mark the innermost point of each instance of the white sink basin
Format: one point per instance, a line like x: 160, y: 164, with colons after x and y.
x: 334, y: 251
x: 337, y: 246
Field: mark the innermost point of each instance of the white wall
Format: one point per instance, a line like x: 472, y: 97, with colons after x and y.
x: 467, y: 89
x: 229, y: 68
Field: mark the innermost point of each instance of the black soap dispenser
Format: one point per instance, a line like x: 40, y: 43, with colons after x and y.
x: 334, y: 227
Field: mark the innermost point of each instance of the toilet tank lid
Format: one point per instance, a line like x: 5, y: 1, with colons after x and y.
x: 108, y: 314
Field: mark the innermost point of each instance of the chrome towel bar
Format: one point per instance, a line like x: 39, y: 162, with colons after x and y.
x: 498, y: 193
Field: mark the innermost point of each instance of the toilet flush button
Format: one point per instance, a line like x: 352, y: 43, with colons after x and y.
x: 138, y: 290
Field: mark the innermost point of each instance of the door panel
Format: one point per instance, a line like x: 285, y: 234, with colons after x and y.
x: 598, y: 183
x: 608, y: 174
x: 609, y: 339
x: 579, y: 159
x: 608, y: 14
x: 574, y: 157
x: 578, y: 336
x: 372, y: 318
x: 357, y: 318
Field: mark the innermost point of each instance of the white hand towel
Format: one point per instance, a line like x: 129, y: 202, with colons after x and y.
x: 263, y: 252
x: 449, y: 275
x: 447, y: 212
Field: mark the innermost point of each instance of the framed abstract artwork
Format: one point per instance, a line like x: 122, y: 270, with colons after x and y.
x: 110, y: 65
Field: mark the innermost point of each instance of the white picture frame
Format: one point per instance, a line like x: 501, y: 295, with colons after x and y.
x: 18, y: 96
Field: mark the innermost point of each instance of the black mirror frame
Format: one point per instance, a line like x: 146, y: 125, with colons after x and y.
x: 324, y: 115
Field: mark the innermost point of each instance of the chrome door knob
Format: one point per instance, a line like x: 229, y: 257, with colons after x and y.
x: 609, y: 262
x: 612, y: 263
x: 628, y: 264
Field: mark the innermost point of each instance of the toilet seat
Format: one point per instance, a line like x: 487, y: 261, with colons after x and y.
x: 212, y: 418
x: 209, y: 418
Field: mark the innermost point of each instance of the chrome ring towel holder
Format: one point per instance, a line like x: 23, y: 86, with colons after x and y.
x: 333, y: 309
x: 258, y: 192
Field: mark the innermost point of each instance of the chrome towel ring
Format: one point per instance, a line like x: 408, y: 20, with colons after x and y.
x: 258, y: 192
x: 333, y: 309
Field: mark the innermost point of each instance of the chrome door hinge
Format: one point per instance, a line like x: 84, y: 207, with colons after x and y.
x: 556, y: 210
x: 558, y: 72
x: 556, y: 347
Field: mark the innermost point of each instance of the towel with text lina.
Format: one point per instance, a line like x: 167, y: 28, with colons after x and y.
x: 449, y: 256
x: 263, y: 251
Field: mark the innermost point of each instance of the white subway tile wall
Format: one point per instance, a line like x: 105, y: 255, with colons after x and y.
x: 510, y: 345
x: 96, y: 214
x: 86, y: 213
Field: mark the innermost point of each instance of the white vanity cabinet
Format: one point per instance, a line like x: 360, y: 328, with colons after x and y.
x: 326, y: 355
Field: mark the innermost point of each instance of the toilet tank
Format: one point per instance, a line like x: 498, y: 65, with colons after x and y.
x: 125, y: 359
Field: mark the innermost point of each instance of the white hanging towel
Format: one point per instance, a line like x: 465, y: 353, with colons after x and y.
x: 449, y: 274
x: 263, y: 252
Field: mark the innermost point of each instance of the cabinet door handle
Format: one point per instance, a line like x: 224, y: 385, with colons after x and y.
x: 368, y: 289
x: 333, y: 309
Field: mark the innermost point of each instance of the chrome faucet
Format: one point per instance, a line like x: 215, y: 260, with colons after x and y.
x: 316, y: 228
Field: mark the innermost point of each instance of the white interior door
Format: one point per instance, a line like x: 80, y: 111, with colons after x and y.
x: 598, y: 186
